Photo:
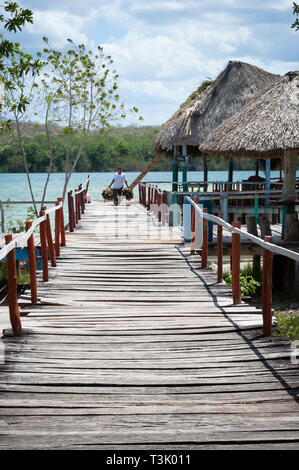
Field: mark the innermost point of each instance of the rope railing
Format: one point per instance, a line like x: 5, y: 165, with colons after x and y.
x: 269, y: 249
x: 76, y: 204
x: 154, y: 200
x: 49, y: 247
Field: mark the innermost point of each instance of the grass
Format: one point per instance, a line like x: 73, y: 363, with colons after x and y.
x: 288, y: 324
x: 23, y: 275
x: 249, y: 280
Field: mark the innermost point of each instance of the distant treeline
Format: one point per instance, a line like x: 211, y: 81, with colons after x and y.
x: 129, y: 147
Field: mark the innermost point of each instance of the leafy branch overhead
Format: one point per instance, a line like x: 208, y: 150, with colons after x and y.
x: 79, y: 92
x: 296, y: 12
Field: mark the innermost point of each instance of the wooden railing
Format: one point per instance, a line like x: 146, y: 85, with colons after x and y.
x: 152, y: 198
x: 50, y: 249
x: 76, y: 204
x: 235, y: 229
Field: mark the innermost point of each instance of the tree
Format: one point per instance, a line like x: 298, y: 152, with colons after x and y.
x: 15, y: 66
x: 79, y: 90
x: 296, y: 12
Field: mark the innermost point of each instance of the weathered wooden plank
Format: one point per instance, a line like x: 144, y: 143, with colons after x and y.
x: 133, y: 344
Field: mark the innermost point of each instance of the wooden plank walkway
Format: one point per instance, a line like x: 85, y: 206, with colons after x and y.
x: 134, y: 346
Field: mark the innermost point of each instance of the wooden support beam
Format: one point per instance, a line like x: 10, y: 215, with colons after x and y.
x: 236, y: 245
x: 267, y: 290
x: 145, y: 171
x: 204, y: 249
x: 219, y: 251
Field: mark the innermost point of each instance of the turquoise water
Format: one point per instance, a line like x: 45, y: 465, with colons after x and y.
x: 15, y: 186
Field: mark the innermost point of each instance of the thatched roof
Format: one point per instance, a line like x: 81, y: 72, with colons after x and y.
x: 196, y: 119
x: 264, y: 127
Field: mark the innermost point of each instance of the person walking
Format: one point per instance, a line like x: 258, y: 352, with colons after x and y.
x: 117, y: 184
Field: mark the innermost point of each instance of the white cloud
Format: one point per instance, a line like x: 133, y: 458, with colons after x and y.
x: 58, y: 26
x: 163, y: 49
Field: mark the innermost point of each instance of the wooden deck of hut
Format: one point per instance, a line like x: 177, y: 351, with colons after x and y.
x: 134, y: 346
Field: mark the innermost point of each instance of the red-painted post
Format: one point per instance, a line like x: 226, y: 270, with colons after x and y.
x: 159, y: 207
x: 50, y: 240
x: 44, y: 250
x: 32, y: 264
x: 236, y: 256
x: 204, y: 248
x: 78, y: 206
x: 219, y: 251
x: 57, y: 230
x: 61, y: 224
x: 267, y: 290
x: 71, y: 219
x: 148, y: 198
x: 14, y: 312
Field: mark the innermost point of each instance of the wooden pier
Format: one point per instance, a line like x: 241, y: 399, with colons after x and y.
x: 134, y: 346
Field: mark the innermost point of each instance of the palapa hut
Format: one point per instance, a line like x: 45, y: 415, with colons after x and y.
x: 198, y: 116
x: 267, y: 126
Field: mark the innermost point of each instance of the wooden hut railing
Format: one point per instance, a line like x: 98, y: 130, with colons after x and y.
x: 235, y: 230
x: 148, y: 195
x: 50, y: 250
x: 76, y: 204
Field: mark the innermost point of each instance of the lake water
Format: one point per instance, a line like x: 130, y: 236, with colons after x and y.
x: 15, y: 186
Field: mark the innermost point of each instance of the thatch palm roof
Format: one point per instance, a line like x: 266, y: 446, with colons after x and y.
x: 196, y: 119
x: 264, y: 127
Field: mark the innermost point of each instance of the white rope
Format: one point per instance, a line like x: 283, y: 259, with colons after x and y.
x: 20, y: 241
x: 83, y: 184
x: 267, y: 246
x: 53, y: 209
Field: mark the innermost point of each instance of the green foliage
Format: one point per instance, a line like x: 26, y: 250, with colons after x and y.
x: 14, y: 224
x: 15, y: 63
x: 129, y: 147
x: 202, y: 87
x: 296, y: 12
x: 288, y: 326
x: 247, y: 283
x: 23, y: 274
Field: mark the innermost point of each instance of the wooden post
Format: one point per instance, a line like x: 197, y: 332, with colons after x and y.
x: 50, y: 239
x: 219, y: 251
x: 81, y: 196
x: 61, y: 224
x: 236, y: 249
x: 71, y: 215
x: 193, y: 235
x: 289, y: 185
x: 264, y: 226
x: 57, y: 231
x: 14, y: 312
x: 139, y: 192
x: 148, y: 198
x: 252, y: 228
x: 44, y: 251
x: 267, y: 290
x: 205, y: 172
x: 32, y: 264
x: 204, y: 248
x: 78, y: 208
x: 159, y: 207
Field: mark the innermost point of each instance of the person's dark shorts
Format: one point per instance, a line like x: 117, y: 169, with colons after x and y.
x: 116, y: 194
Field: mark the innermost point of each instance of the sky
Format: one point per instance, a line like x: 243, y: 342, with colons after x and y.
x: 163, y: 49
